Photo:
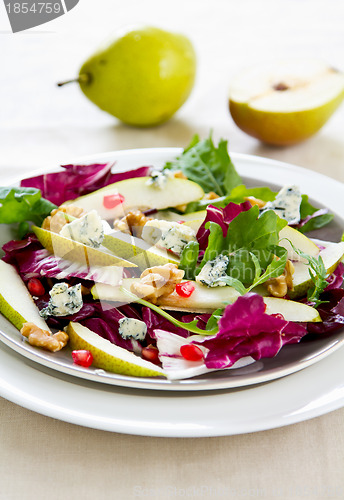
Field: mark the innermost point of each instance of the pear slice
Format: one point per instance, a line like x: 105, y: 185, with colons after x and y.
x: 331, y: 256
x: 207, y: 300
x: 16, y: 303
x: 299, y: 240
x: 138, y: 193
x: 291, y: 310
x: 285, y: 101
x: 195, y: 224
x: 174, y: 217
x: 108, y: 356
x: 78, y: 252
x: 137, y: 250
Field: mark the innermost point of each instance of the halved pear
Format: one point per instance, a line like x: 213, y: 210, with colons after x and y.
x: 331, y: 256
x: 137, y: 250
x: 16, y: 303
x: 285, y: 101
x: 78, y: 252
x: 299, y: 240
x: 138, y: 194
x: 109, y: 356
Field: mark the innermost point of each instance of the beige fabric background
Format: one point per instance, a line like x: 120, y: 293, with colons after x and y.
x: 42, y: 458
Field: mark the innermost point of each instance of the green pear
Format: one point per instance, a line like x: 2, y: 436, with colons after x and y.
x: 285, y: 102
x: 142, y: 77
x: 138, y: 193
x: 109, y: 356
x: 16, y: 303
x: 78, y: 252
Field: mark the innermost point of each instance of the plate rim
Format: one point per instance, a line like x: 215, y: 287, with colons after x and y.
x: 158, y: 384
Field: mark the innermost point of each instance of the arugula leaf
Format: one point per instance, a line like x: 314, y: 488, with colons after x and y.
x: 23, y: 205
x: 318, y: 274
x: 274, y: 269
x: 250, y: 231
x: 191, y: 327
x: 188, y: 259
x: 209, y: 166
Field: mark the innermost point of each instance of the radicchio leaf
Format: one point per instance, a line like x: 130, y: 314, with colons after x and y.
x: 78, y: 180
x: 222, y: 216
x: 246, y: 330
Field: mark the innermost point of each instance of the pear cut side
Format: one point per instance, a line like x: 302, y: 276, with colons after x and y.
x: 286, y: 101
x: 77, y: 252
x: 16, y: 303
x: 108, y: 356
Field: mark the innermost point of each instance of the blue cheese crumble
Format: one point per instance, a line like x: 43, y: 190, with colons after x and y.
x: 168, y: 235
x: 158, y: 178
x: 286, y: 204
x: 213, y: 270
x: 132, y: 328
x: 88, y: 230
x: 64, y: 300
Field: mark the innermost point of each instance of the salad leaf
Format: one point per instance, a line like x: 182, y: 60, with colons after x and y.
x: 331, y: 311
x: 246, y: 330
x: 23, y: 205
x: 222, y: 216
x: 78, y: 180
x: 208, y: 165
x: 188, y: 259
x: 318, y: 274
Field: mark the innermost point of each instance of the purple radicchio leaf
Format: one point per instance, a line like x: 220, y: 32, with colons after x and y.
x: 78, y: 180
x: 246, y: 330
x: 222, y: 216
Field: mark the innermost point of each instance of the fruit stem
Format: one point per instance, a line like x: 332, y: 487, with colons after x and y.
x: 84, y: 78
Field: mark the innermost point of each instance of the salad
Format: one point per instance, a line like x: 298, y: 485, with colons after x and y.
x: 168, y: 273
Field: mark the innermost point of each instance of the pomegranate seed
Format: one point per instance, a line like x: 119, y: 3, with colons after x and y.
x: 185, y: 289
x: 151, y: 353
x: 113, y: 200
x: 35, y: 287
x: 191, y: 352
x: 180, y: 221
x: 82, y: 358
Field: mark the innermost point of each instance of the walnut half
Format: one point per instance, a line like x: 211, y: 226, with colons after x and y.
x: 42, y: 338
x: 132, y: 223
x: 56, y: 220
x: 157, y: 281
x: 278, y: 287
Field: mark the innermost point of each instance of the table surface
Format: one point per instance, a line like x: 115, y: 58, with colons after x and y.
x: 41, y: 125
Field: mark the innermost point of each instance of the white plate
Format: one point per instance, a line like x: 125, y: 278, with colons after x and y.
x: 284, y: 401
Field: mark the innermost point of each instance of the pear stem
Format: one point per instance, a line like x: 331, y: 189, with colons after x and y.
x: 84, y: 78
